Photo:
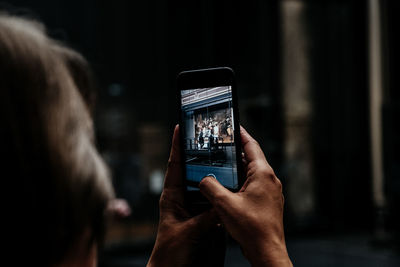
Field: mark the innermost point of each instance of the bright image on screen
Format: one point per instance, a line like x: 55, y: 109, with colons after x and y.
x: 207, y: 128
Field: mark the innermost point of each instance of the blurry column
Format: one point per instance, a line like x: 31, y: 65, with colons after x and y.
x: 297, y: 111
x: 154, y: 140
x: 375, y: 112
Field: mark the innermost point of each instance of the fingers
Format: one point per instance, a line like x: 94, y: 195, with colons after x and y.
x: 173, y: 176
x: 251, y: 148
x: 216, y: 193
x: 257, y: 167
x: 175, y: 154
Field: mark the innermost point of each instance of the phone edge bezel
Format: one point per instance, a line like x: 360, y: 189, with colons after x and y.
x: 213, y: 78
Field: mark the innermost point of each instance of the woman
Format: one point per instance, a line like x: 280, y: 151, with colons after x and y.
x: 59, y: 184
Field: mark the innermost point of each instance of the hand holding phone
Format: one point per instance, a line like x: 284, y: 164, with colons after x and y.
x: 251, y: 212
x: 254, y: 215
x: 182, y: 239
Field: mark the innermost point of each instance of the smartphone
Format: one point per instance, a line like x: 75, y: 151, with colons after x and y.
x: 209, y: 130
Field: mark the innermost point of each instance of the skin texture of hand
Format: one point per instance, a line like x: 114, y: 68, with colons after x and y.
x: 254, y: 215
x: 179, y: 235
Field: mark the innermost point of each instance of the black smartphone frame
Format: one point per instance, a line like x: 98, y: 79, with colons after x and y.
x: 206, y: 78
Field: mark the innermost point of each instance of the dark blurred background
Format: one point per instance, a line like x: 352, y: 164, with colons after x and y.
x: 318, y: 88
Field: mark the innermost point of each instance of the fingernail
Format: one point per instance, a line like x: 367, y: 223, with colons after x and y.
x: 210, y: 175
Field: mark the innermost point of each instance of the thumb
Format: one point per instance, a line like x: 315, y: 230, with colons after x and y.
x: 216, y: 193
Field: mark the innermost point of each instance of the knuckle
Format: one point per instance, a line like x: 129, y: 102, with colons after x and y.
x: 169, y: 163
x: 254, y: 142
x: 252, y: 165
x: 259, y: 165
x: 161, y: 201
x: 267, y: 171
x: 279, y: 184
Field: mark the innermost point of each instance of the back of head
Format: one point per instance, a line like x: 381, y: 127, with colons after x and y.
x: 57, y: 185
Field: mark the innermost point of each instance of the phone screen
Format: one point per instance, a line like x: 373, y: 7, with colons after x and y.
x: 208, y: 136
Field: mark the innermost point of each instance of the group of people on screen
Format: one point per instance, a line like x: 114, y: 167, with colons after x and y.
x: 212, y: 131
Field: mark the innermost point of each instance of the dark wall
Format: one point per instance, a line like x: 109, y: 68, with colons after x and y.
x: 137, y: 48
x: 391, y: 109
x: 338, y: 33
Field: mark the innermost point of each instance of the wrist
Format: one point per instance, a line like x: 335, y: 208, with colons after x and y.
x: 269, y: 255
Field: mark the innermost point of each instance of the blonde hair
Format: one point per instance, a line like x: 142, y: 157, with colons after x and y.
x: 57, y: 175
